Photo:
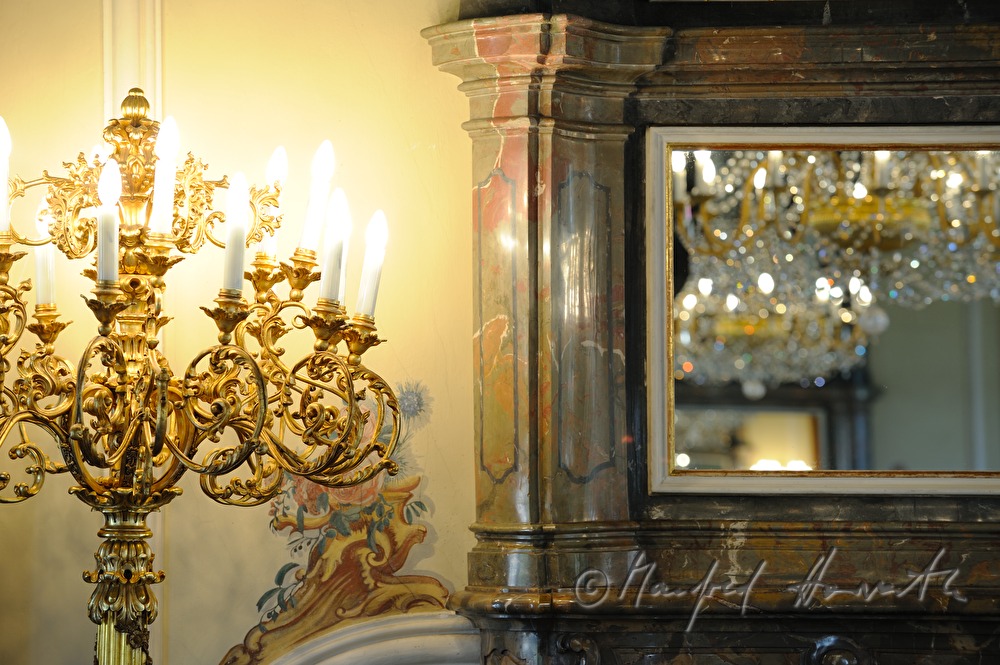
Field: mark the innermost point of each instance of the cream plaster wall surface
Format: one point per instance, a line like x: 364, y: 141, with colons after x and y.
x: 241, y: 78
x: 50, y: 59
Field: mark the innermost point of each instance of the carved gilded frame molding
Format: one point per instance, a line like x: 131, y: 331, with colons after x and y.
x: 663, y: 478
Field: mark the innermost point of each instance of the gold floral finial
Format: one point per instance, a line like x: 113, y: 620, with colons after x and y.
x: 135, y: 107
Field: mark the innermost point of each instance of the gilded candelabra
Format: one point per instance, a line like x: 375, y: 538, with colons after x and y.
x: 126, y: 426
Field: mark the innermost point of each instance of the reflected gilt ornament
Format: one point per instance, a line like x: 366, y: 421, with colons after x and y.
x: 126, y: 426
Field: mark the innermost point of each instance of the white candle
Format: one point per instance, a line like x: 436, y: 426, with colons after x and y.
x: 881, y: 168
x: 237, y: 209
x: 323, y: 164
x: 338, y: 231
x: 268, y: 246
x: 45, y: 267
x: 773, y: 167
x: 376, y: 236
x: 4, y: 176
x: 678, y: 164
x: 162, y: 216
x: 109, y: 190
x: 704, y: 169
x: 277, y: 167
x: 983, y: 168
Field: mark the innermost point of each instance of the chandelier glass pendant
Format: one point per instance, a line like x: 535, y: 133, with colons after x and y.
x: 241, y: 415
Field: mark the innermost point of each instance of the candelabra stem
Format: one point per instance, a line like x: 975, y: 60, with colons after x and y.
x: 116, y: 648
x: 123, y: 604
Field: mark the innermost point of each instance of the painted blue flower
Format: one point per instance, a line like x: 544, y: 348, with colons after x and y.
x: 414, y: 403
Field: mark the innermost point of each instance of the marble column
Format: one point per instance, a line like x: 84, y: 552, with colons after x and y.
x: 551, y: 150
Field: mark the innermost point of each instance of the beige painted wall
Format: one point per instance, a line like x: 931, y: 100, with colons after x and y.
x: 922, y: 367
x: 241, y: 78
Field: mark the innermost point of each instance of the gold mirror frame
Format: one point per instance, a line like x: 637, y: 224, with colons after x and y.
x: 663, y: 477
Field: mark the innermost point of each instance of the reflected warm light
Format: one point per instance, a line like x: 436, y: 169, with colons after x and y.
x: 766, y: 283
x: 682, y: 460
x: 822, y: 289
x: 678, y: 161
x: 705, y: 166
x: 775, y: 465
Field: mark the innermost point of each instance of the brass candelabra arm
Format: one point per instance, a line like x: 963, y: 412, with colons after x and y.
x: 374, y: 445
x: 106, y: 305
x: 360, y: 335
x: 231, y: 310
x: 69, y: 202
x: 104, y: 408
x: 13, y: 307
x: 301, y: 272
x: 264, y: 277
x: 46, y: 327
x: 318, y: 407
x: 265, y: 213
x: 42, y: 396
x: 222, y: 389
x: 35, y: 472
x: 38, y: 463
x: 328, y: 322
x: 154, y: 259
x: 45, y: 387
x: 270, y: 323
x: 265, y: 481
x: 7, y: 257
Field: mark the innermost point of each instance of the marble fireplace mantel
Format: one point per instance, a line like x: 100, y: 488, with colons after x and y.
x: 567, y: 530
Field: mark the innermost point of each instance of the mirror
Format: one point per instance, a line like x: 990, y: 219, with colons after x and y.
x: 832, y: 302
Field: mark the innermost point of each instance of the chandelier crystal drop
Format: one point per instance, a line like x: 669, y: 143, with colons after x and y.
x: 126, y: 426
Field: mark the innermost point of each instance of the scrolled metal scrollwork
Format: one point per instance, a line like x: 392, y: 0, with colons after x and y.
x: 126, y: 427
x: 225, y: 395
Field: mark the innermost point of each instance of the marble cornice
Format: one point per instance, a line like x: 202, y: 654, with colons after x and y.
x: 827, y: 61
x: 577, y: 69
x: 545, y: 44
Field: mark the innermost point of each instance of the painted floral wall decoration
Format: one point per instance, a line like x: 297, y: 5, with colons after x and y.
x: 346, y: 547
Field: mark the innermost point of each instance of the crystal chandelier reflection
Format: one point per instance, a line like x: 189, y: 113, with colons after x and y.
x: 753, y: 336
x: 913, y: 226
x: 126, y: 426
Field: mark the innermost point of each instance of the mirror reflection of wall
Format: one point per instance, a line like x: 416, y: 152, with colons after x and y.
x: 755, y: 439
x: 802, y: 267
